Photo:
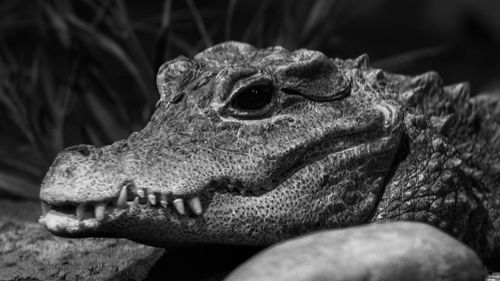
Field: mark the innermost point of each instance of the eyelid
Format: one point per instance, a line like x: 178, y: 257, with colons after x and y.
x: 232, y: 79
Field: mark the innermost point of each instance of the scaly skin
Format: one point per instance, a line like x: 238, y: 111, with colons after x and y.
x: 274, y: 144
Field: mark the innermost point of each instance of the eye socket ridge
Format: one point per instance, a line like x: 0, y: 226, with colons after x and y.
x: 254, y: 97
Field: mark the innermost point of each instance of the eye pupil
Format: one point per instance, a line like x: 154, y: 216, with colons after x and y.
x: 253, y: 98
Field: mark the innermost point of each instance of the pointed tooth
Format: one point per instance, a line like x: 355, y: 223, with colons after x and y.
x: 243, y: 192
x: 195, y: 205
x: 121, y: 202
x: 136, y: 202
x: 152, y: 199
x: 179, y: 206
x: 80, y: 210
x: 141, y: 193
x: 163, y: 200
x: 99, y: 211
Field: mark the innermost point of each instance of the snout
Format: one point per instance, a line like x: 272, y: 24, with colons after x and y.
x: 80, y: 174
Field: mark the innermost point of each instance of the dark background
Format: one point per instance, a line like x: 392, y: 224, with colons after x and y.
x: 84, y: 71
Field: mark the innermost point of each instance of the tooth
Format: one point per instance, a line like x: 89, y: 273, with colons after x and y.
x: 122, y: 198
x: 141, y: 193
x: 179, y: 205
x: 195, y: 205
x: 99, y: 211
x: 243, y: 192
x: 80, y: 210
x: 163, y: 200
x: 136, y: 202
x: 152, y: 199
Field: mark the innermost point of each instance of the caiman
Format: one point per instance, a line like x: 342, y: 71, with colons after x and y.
x: 252, y: 146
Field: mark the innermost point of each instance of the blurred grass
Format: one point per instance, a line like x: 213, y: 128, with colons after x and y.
x: 84, y: 71
x: 88, y: 75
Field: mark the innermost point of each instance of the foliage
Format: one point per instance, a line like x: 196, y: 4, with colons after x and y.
x: 87, y: 73
x: 84, y: 71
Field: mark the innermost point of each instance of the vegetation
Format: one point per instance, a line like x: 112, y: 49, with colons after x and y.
x: 86, y: 74
x: 84, y: 71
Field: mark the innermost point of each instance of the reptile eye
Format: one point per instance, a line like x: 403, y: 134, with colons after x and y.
x: 253, y: 98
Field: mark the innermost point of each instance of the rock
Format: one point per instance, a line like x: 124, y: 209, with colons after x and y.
x: 29, y: 252
x: 493, y: 277
x: 388, y: 251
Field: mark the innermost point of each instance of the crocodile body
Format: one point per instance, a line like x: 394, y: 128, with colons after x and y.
x: 253, y: 146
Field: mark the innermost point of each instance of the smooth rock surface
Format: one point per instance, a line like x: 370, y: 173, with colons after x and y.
x: 389, y: 251
x: 29, y: 252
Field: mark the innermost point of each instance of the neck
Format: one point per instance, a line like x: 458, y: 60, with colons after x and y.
x: 476, y: 140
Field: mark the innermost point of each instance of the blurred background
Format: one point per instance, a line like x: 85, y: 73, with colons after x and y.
x: 84, y: 71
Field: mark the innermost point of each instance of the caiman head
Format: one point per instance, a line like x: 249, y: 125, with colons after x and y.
x: 246, y: 146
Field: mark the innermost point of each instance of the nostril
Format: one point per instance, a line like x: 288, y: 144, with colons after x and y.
x: 82, y: 149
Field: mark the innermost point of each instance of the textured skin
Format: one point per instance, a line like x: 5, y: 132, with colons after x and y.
x: 339, y: 144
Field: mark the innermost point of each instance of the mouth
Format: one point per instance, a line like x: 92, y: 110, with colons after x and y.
x: 75, y: 219
x: 71, y: 218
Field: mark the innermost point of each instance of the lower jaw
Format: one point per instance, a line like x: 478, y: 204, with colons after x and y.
x: 66, y: 226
